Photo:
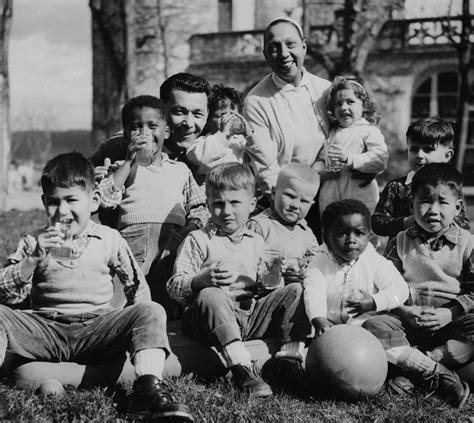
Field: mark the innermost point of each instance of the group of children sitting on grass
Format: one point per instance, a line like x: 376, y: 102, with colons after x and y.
x: 205, y: 247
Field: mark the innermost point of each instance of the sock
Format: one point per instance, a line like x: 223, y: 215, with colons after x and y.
x: 235, y: 353
x: 394, y: 353
x: 293, y: 349
x: 412, y: 359
x: 459, y: 352
x: 149, y: 361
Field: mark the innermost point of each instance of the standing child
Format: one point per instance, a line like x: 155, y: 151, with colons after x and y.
x: 355, y: 150
x: 70, y: 286
x: 436, y: 257
x: 430, y: 140
x: 283, y: 227
x: 225, y: 140
x: 158, y: 197
x: 347, y: 280
x: 215, y: 279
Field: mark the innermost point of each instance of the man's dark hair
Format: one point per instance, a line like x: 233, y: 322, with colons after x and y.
x: 66, y: 171
x: 184, y: 82
x: 434, y: 174
x: 431, y: 131
x: 138, y: 103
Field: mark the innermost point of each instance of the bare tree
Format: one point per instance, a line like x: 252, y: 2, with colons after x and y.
x: 357, y: 25
x: 5, y: 20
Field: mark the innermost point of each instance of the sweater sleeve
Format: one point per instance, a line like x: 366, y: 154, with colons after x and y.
x: 208, y: 151
x: 375, y: 158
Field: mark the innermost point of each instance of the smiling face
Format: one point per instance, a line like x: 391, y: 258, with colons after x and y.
x: 421, y: 155
x: 75, y: 203
x: 230, y: 209
x: 435, y: 207
x: 348, y: 108
x: 186, y: 115
x: 284, y: 51
x: 348, y: 237
x: 292, y: 199
x: 147, y: 121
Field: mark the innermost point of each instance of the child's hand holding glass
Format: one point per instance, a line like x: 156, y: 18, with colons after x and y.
x: 142, y: 148
x: 336, y: 158
x: 55, y: 240
x: 359, y: 301
x: 292, y: 269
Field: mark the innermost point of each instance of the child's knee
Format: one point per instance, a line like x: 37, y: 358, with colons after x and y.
x: 152, y: 311
x: 211, y: 296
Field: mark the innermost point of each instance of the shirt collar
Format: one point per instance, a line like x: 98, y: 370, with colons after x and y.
x: 91, y: 230
x: 409, y: 177
x: 450, y: 235
x: 286, y: 86
x: 214, y: 230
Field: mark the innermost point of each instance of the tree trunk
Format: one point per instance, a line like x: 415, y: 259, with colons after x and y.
x: 5, y: 19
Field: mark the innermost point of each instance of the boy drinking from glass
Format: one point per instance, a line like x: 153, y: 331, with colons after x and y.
x: 72, y: 319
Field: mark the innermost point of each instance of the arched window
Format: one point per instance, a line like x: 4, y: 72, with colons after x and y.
x: 436, y: 95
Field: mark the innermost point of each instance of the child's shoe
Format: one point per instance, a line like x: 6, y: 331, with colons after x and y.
x: 447, y: 385
x: 247, y: 378
x: 291, y: 375
x: 151, y: 399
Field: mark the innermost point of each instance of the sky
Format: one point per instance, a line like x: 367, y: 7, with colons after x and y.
x: 50, y: 64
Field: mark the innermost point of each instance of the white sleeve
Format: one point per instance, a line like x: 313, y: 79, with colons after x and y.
x: 315, y: 287
x: 375, y: 159
x: 392, y: 290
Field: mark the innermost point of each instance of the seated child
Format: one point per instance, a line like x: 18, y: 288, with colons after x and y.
x: 355, y: 150
x: 436, y: 256
x: 430, y: 140
x: 156, y: 200
x: 215, y: 278
x: 71, y: 289
x: 347, y: 280
x: 283, y: 227
x: 224, y: 141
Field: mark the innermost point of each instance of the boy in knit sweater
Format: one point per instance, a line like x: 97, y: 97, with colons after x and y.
x: 430, y: 140
x: 70, y: 294
x: 283, y: 227
x: 215, y: 279
x: 436, y: 257
x: 155, y: 201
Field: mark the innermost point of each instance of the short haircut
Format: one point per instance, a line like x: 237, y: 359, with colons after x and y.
x: 283, y: 19
x: 140, y: 102
x: 300, y: 171
x: 184, y: 82
x: 434, y: 174
x: 66, y: 171
x: 361, y: 91
x: 343, y: 208
x: 230, y: 177
x: 221, y: 92
x: 431, y: 131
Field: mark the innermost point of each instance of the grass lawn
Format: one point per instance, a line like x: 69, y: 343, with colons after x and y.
x: 211, y: 402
